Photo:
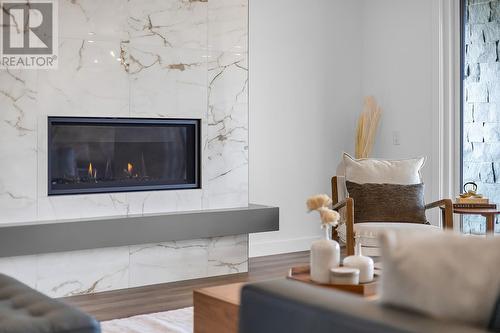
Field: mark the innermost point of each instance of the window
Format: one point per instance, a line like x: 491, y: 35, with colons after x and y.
x: 481, y: 102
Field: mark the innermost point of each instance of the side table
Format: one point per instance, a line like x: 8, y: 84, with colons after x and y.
x: 488, y: 213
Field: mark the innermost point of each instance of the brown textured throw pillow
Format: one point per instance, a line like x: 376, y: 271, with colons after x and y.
x: 387, y: 202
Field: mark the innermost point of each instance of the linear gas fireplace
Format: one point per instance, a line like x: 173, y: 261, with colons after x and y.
x: 95, y: 155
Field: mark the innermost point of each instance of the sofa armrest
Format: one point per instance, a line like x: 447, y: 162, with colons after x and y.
x: 24, y: 310
x: 293, y: 307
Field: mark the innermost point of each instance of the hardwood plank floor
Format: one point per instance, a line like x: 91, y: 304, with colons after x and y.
x: 169, y: 296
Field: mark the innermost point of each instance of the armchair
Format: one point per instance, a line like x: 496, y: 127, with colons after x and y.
x: 347, y: 206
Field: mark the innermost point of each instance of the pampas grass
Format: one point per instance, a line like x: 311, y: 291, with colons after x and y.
x: 367, y: 127
x: 321, y: 203
x: 328, y: 217
x: 317, y: 201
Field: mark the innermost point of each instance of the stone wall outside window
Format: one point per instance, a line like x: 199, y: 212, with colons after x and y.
x: 481, y: 128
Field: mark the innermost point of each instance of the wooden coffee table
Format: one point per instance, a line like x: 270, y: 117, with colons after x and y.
x: 216, y: 309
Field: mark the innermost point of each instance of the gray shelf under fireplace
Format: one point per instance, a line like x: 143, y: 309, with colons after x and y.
x: 82, y: 234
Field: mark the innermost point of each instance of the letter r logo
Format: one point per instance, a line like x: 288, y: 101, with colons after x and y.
x: 27, y: 27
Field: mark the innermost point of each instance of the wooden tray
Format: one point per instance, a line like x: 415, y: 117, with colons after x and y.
x: 302, y: 274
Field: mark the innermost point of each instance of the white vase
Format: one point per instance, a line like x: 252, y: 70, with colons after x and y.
x: 361, y: 262
x: 325, y: 255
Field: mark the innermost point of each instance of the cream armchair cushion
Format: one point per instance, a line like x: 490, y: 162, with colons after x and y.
x: 384, y: 171
x: 370, y: 170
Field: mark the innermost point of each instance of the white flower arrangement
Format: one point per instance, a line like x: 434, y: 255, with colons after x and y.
x: 321, y: 203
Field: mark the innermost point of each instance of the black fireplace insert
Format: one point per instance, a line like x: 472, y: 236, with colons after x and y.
x: 96, y: 155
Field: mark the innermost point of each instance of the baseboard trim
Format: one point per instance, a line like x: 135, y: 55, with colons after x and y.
x: 260, y: 249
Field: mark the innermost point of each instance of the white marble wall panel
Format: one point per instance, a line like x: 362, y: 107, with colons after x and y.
x: 170, y: 23
x: 82, y: 206
x: 149, y: 58
x: 82, y: 272
x: 18, y: 180
x: 163, y: 201
x: 182, y: 74
x: 226, y: 146
x: 22, y: 268
x: 228, y: 25
x: 182, y: 260
x: 90, y: 81
x: 96, y: 270
x: 228, y: 255
x: 166, y: 262
x: 93, y: 19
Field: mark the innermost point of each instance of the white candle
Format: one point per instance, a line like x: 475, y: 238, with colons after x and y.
x: 344, y: 275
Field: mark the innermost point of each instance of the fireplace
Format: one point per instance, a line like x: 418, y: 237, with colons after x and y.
x: 96, y: 155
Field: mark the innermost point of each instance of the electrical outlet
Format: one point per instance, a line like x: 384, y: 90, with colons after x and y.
x: 396, y: 138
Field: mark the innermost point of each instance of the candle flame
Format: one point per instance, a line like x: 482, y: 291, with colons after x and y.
x: 90, y: 170
x: 130, y: 168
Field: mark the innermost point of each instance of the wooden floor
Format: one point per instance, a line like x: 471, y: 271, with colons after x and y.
x: 168, y: 296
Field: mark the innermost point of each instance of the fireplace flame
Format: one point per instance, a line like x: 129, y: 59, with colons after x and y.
x: 92, y: 173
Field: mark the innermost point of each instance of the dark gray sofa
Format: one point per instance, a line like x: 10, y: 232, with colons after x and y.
x: 24, y: 310
x: 293, y: 307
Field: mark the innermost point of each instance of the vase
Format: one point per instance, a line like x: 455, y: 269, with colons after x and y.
x: 325, y: 255
x: 361, y: 262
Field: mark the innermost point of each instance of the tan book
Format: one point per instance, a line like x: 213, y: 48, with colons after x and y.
x: 472, y: 200
x: 475, y: 205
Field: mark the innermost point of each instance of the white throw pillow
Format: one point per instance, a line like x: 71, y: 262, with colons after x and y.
x: 444, y: 275
x: 369, y: 170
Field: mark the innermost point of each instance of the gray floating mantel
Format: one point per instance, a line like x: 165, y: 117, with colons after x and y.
x: 82, y: 234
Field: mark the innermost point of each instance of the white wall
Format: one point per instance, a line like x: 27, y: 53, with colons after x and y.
x: 304, y: 98
x: 311, y: 62
x: 399, y: 59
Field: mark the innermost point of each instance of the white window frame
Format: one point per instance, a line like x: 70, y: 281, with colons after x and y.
x: 447, y: 96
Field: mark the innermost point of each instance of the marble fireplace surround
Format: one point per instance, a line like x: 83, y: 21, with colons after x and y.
x: 131, y: 58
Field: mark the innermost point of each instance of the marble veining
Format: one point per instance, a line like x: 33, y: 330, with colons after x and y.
x: 150, y: 58
x: 90, y: 271
x: 226, y: 141
x: 153, y: 58
x: 228, y: 255
x: 18, y: 179
x: 82, y: 272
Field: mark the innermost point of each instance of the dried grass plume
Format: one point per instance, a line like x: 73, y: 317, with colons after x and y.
x: 367, y: 127
x: 328, y: 217
x: 317, y: 201
x: 321, y: 203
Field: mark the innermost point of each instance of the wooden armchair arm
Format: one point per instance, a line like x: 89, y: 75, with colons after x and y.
x: 348, y: 204
x: 442, y: 202
x: 341, y: 204
x: 446, y: 206
x: 335, y: 189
